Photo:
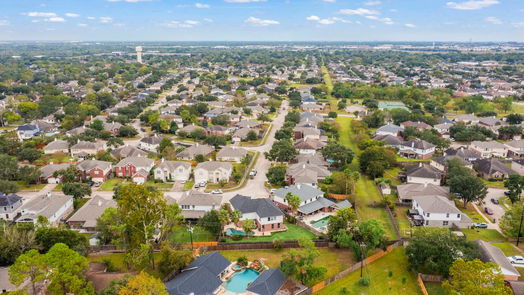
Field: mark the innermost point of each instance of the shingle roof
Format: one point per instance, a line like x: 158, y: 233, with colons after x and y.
x: 436, y: 204
x: 268, y: 283
x: 8, y: 200
x: 44, y: 206
x: 200, y: 199
x: 214, y: 165
x: 232, y: 151
x: 57, y: 145
x: 155, y: 139
x: 197, y: 149
x: 263, y: 207
x: 303, y: 191
x: 128, y: 151
x: 48, y: 170
x: 136, y: 161
x: 410, y: 190
x: 490, y: 253
x: 172, y: 165
x: 92, y: 210
x: 390, y: 128
x: 492, y: 165
x: 418, y: 144
x: 87, y: 165
x: 423, y: 171
x: 316, y: 205
x: 200, y: 277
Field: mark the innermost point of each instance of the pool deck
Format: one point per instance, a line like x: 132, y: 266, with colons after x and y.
x: 312, y: 218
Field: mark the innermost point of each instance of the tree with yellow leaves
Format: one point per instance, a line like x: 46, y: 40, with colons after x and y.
x: 143, y: 284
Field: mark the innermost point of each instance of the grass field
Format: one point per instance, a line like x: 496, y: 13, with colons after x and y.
x: 333, y: 104
x: 392, y: 174
x: 334, y: 260
x: 471, y: 212
x: 366, y: 191
x: 199, y: 235
x: 189, y: 185
x: 118, y: 261
x: 29, y: 187
x: 497, y: 184
x: 507, y: 248
x: 109, y: 184
x: 483, y: 234
x: 292, y: 233
x: 388, y: 275
x: 435, y: 289
x: 160, y: 185
x: 402, y: 221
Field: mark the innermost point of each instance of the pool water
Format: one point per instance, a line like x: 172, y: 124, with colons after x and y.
x: 240, y: 281
x: 320, y: 223
x: 232, y: 231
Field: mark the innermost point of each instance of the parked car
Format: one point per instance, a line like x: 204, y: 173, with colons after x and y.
x: 516, y: 259
x: 480, y: 225
x: 217, y: 191
x: 488, y: 211
x: 253, y: 173
x: 507, y: 193
x: 494, y: 201
x: 90, y: 183
x: 197, y: 185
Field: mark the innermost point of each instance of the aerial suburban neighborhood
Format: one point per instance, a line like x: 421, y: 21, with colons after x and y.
x: 269, y: 168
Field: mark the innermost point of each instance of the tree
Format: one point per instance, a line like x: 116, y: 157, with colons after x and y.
x: 339, y: 154
x: 173, y: 260
x: 282, y: 151
x: 70, y: 174
x: 211, y: 222
x: 293, y: 201
x: 76, y: 189
x: 29, y: 154
x: 67, y: 271
x: 165, y: 143
x: 276, y: 175
x: 141, y: 209
x: 248, y: 226
x: 363, y: 237
x: 46, y: 237
x: 216, y: 140
x: 510, y: 221
x: 332, y: 115
x: 468, y: 187
x: 8, y: 167
x: 374, y: 160
x: 515, y: 186
x: 375, y: 120
x: 109, y: 226
x: 28, y: 266
x: 15, y: 240
x: 143, y: 284
x: 476, y: 277
x: 8, y: 187
x: 251, y: 135
x: 97, y: 125
x: 344, y: 219
x: 433, y: 250
x: 127, y: 131
x: 300, y: 262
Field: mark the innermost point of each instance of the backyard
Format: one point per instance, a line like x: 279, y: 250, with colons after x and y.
x: 118, y: 262
x: 387, y: 275
x: 334, y: 260
x: 110, y: 184
x: 181, y: 235
x: 293, y: 232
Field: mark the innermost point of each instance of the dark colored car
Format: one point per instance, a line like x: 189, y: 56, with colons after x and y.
x: 495, y: 201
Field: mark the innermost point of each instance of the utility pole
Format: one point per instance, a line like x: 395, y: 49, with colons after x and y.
x: 362, y: 245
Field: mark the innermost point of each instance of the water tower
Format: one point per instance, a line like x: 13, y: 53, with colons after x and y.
x: 139, y: 54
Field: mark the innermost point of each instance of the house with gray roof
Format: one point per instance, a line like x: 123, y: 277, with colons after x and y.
x: 442, y: 163
x: 54, y: 207
x: 268, y: 283
x: 127, y: 151
x: 490, y: 253
x: 202, y: 277
x: 85, y: 218
x: 492, y: 168
x: 406, y: 192
x: 83, y: 149
x: 267, y: 216
x: 463, y: 153
x: 190, y: 153
x: 438, y: 211
x: 172, y: 171
x: 488, y: 149
x: 135, y: 167
x: 241, y: 134
x: 416, y: 149
x: 231, y: 154
x: 56, y: 146
x: 389, y: 140
x: 195, y: 204
x: 150, y: 143
x: 515, y: 148
x: 9, y: 204
x: 97, y: 171
x: 213, y: 171
x: 389, y: 129
x: 305, y: 173
x: 248, y: 124
x: 312, y: 199
x: 47, y: 172
x: 423, y: 173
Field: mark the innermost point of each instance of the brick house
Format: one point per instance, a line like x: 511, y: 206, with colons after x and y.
x: 267, y: 216
x: 128, y: 167
x: 97, y: 171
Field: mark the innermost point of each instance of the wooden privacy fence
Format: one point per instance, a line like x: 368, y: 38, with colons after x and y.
x: 262, y: 245
x: 421, y: 285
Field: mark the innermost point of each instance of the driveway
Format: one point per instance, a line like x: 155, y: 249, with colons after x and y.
x: 498, y: 210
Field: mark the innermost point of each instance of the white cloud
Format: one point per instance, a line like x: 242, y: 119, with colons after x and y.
x: 385, y: 20
x: 55, y: 19
x: 493, y: 20
x: 4, y: 22
x: 201, y: 5
x: 261, y: 22
x: 326, y: 21
x: 208, y: 20
x: 372, y: 3
x: 244, y: 1
x: 518, y: 24
x: 191, y: 22
x: 106, y: 19
x: 358, y: 11
x: 472, y: 4
x: 91, y: 18
x: 330, y: 1
x: 69, y: 14
x: 410, y: 26
x: 373, y: 17
x: 313, y: 18
x: 178, y: 25
x: 41, y: 14
x: 82, y: 25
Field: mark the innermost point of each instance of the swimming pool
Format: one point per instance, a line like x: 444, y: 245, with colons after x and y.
x: 232, y: 232
x: 240, y: 281
x: 320, y: 223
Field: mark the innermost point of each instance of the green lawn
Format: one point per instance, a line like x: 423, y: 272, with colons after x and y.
x: 403, y: 221
x: 435, y: 289
x: 118, y: 260
x: 366, y: 191
x: 161, y: 186
x: 334, y: 260
x: 199, y: 235
x: 507, y: 248
x: 333, y: 104
x: 400, y: 282
x: 29, y: 187
x: 189, y: 185
x: 292, y: 233
x: 392, y: 175
x: 109, y: 184
x: 470, y: 212
x: 483, y: 234
x: 497, y: 184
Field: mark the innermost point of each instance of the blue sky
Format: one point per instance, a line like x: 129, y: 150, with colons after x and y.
x: 263, y: 20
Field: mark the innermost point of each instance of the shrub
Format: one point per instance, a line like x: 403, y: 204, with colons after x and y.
x: 390, y: 273
x: 363, y: 282
x: 242, y: 260
x: 236, y: 237
x: 110, y: 265
x: 291, y: 219
x: 277, y: 244
x: 344, y: 291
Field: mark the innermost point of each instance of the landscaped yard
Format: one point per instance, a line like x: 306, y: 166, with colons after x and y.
x: 189, y: 185
x: 161, y: 186
x: 293, y: 232
x: 334, y: 260
x: 392, y: 175
x: 403, y: 221
x: 387, y: 275
x: 507, y: 248
x: 199, y: 235
x: 109, y: 184
x: 29, y: 187
x: 496, y: 184
x: 470, y: 212
x: 483, y: 234
x: 117, y: 259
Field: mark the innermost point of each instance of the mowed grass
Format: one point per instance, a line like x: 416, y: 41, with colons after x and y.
x: 182, y: 235
x: 366, y: 191
x: 470, y: 212
x: 333, y: 104
x: 484, y: 234
x: 293, y: 232
x: 118, y: 261
x: 400, y: 282
x: 507, y: 248
x: 109, y: 184
x: 334, y: 260
x: 403, y: 221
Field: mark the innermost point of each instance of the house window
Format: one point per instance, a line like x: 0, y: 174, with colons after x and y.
x: 445, y: 223
x: 272, y: 226
x: 427, y: 222
x: 427, y: 214
x: 278, y: 225
x: 447, y: 215
x: 458, y: 215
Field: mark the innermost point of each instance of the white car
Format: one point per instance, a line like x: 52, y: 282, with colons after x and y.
x: 516, y: 259
x: 217, y: 191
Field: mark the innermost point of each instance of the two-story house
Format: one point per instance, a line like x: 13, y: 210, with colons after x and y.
x: 173, y: 171
x: 423, y: 174
x: 83, y: 149
x: 27, y: 131
x: 417, y: 149
x: 212, y: 171
x: 150, y: 143
x: 488, y: 149
x: 195, y: 204
x: 515, y: 148
x: 54, y: 207
x: 311, y: 198
x: 190, y: 153
x: 56, y: 146
x: 135, y: 167
x: 439, y: 211
x: 231, y: 154
x: 97, y: 171
x: 267, y: 216
x: 9, y: 205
